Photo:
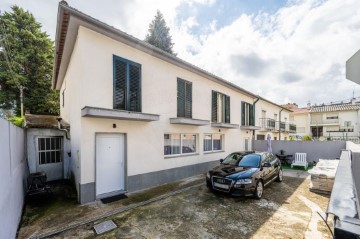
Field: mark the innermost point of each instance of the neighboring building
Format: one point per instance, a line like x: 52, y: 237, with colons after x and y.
x: 141, y: 117
x: 332, y: 122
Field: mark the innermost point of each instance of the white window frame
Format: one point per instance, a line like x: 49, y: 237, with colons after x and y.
x: 222, y: 138
x: 60, y: 150
x: 181, y: 145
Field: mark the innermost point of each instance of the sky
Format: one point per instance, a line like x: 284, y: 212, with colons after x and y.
x: 287, y: 51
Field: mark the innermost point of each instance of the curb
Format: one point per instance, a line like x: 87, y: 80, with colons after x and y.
x: 116, y: 211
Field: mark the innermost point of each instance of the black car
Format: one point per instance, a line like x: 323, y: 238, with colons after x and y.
x: 244, y: 173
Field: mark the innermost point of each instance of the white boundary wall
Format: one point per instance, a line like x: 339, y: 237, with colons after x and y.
x: 13, y: 178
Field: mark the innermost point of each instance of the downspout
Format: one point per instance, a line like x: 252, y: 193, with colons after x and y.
x: 67, y: 133
x: 253, y: 131
x: 280, y: 123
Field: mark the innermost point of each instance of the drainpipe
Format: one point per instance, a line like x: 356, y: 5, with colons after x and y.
x: 253, y: 131
x: 67, y: 133
x: 280, y: 124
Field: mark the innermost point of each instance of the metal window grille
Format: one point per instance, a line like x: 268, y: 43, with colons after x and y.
x: 50, y: 150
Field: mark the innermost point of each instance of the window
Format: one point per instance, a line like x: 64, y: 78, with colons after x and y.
x: 220, y: 108
x: 50, y: 150
x: 178, y: 144
x: 127, y: 85
x: 213, y: 142
x: 184, y: 98
x: 247, y: 114
x: 347, y: 123
x: 260, y: 137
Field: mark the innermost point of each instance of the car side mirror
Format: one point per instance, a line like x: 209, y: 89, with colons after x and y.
x: 266, y: 165
x: 221, y: 160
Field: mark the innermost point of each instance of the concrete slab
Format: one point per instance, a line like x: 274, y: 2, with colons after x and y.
x: 104, y: 227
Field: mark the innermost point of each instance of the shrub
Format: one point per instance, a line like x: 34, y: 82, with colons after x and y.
x: 307, y: 138
x: 18, y: 121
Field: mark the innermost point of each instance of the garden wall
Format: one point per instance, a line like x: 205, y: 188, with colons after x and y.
x: 13, y: 177
x: 314, y: 150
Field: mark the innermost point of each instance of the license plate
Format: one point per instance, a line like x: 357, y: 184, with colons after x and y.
x: 223, y: 186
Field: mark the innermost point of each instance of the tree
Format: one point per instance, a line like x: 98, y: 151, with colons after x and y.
x: 26, y: 59
x: 159, y: 34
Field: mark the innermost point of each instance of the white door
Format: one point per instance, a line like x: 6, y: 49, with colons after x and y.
x: 246, y: 144
x: 110, y: 163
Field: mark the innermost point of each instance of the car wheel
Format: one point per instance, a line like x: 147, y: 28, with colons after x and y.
x: 279, y: 177
x: 259, y: 190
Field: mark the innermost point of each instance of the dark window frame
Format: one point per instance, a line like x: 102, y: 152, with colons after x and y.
x: 247, y: 114
x: 127, y: 97
x: 225, y: 106
x: 184, y: 102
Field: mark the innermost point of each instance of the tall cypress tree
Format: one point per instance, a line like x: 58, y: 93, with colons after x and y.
x: 159, y: 34
x: 26, y: 59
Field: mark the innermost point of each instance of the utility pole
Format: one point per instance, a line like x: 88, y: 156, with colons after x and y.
x: 22, y: 99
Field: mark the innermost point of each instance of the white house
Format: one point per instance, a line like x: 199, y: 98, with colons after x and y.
x: 337, y: 121
x: 141, y: 117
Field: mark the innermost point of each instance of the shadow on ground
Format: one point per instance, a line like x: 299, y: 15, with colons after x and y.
x: 287, y: 210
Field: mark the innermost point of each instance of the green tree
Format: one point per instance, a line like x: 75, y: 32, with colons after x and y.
x: 159, y: 34
x: 26, y: 59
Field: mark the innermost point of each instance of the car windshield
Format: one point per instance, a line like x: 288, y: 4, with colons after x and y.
x: 232, y: 158
x: 250, y: 161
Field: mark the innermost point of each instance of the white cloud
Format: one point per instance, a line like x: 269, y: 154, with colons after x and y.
x: 296, y: 54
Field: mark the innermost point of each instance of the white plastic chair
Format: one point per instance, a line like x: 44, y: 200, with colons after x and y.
x: 300, y: 160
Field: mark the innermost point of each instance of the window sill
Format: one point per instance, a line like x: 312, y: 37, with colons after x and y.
x: 225, y: 125
x: 180, y: 155
x: 250, y: 127
x: 189, y: 121
x: 214, y: 152
x: 94, y: 112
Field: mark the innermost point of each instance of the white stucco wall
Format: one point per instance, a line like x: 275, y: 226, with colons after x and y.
x: 89, y: 82
x: 13, y: 177
x: 271, y: 110
x: 302, y: 121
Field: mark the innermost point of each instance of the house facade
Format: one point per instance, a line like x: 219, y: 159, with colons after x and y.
x: 338, y: 121
x: 141, y: 117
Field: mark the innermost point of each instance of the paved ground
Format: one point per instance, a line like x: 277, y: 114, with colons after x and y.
x: 288, y: 210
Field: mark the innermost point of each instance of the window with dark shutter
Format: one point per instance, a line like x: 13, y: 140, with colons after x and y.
x: 127, y: 85
x: 227, y: 109
x: 220, y: 107
x: 247, y: 114
x: 184, y: 98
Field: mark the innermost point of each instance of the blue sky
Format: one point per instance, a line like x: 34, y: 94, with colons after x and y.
x: 224, y: 12
x: 286, y: 51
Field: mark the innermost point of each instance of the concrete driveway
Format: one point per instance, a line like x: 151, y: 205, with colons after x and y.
x: 287, y: 210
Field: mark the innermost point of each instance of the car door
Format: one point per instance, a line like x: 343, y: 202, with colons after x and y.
x: 274, y: 165
x: 266, y: 171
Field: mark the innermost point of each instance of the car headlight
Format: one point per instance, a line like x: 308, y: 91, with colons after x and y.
x: 244, y: 181
x: 208, y: 175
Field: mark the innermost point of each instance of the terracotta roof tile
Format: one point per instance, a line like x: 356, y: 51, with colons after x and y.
x: 337, y: 107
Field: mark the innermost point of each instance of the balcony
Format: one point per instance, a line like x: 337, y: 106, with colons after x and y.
x: 324, y: 121
x: 267, y: 124
x: 346, y: 128
x: 291, y: 128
